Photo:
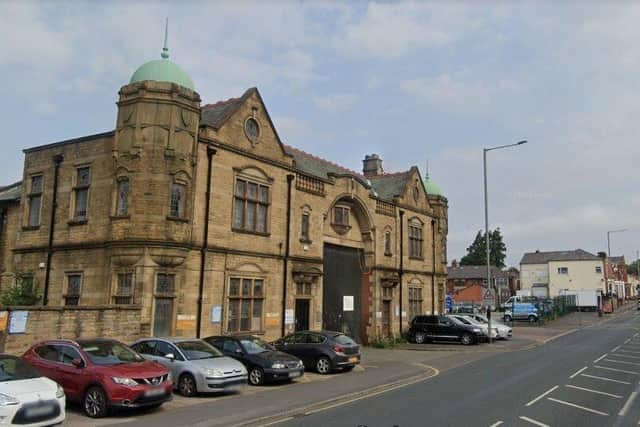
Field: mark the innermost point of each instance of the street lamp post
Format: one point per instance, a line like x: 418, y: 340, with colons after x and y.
x: 486, y: 219
x: 609, y: 239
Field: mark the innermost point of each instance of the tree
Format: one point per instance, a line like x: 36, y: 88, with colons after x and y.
x: 22, y: 292
x: 632, y: 268
x: 477, y: 255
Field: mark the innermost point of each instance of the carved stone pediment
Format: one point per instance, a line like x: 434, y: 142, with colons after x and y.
x: 168, y: 258
x: 390, y: 281
x: 305, y: 274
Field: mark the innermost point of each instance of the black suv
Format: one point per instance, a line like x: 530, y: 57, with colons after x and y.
x: 441, y: 328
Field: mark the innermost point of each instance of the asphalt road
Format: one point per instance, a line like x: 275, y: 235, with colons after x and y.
x: 587, y: 378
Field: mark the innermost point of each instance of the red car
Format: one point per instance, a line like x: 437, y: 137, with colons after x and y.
x: 101, y: 374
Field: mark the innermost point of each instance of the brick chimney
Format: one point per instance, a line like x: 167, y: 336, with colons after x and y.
x: 372, y: 165
x: 454, y: 263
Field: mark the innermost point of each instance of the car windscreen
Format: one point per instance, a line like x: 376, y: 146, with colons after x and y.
x: 343, y: 339
x: 196, y: 350
x: 255, y: 345
x: 12, y: 369
x: 109, y: 353
x: 463, y: 320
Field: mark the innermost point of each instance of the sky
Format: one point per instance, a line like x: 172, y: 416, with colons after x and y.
x: 434, y: 81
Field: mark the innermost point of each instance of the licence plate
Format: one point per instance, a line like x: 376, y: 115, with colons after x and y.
x: 154, y: 392
x: 353, y: 360
x: 294, y: 374
x: 39, y: 411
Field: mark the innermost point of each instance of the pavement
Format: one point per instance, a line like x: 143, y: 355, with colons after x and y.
x: 383, y: 373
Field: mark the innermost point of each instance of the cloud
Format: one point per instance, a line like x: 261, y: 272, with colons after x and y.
x: 336, y: 102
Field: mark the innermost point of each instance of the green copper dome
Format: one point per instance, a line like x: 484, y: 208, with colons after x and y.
x: 431, y: 187
x: 163, y: 70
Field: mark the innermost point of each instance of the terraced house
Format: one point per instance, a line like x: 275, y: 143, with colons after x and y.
x: 202, y: 221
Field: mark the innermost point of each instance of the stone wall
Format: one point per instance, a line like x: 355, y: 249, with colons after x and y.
x: 121, y: 323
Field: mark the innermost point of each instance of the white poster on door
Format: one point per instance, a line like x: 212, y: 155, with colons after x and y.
x: 347, y: 303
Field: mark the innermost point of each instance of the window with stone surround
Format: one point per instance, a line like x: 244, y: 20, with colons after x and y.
x: 387, y: 242
x: 250, y: 206
x: 74, y: 287
x: 124, y: 289
x: 415, y: 240
x: 415, y: 302
x: 165, y: 283
x: 177, y: 200
x: 35, y: 200
x: 122, y: 197
x: 341, y: 215
x: 304, y: 227
x: 81, y: 193
x: 246, y: 300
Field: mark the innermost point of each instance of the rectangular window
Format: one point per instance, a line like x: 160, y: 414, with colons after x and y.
x: 415, y: 241
x: 165, y: 283
x: 176, y: 208
x: 598, y: 269
x: 304, y: 227
x: 35, y: 200
x: 415, y: 302
x: 563, y: 270
x: 341, y: 215
x: 250, y: 206
x: 83, y: 181
x: 124, y: 292
x: 122, y: 206
x: 74, y: 283
x: 303, y: 289
x: 387, y: 243
x: 245, y: 304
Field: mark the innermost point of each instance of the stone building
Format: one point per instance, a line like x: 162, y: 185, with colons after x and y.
x: 200, y: 217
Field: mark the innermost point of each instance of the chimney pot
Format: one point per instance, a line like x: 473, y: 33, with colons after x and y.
x: 372, y: 165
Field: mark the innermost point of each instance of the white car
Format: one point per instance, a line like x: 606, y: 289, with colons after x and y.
x: 28, y: 399
x: 471, y: 321
x: 504, y: 331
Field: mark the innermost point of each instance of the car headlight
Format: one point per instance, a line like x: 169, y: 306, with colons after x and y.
x: 213, y: 373
x: 300, y: 364
x: 124, y: 381
x: 59, y: 392
x: 6, y: 400
x: 477, y: 330
x: 278, y: 365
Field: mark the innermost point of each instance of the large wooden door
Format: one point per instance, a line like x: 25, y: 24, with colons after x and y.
x: 302, y: 314
x: 162, y: 317
x: 386, y: 318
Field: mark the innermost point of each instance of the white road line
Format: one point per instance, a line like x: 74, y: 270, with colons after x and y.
x: 627, y: 404
x: 584, y: 408
x: 615, y: 349
x: 542, y: 395
x: 534, y: 422
x: 600, y: 358
x: 605, y: 379
x: 624, y: 362
x: 575, y: 374
x: 594, y: 391
x: 626, y: 355
x: 496, y: 424
x: 616, y: 370
x: 629, y: 351
x: 627, y: 340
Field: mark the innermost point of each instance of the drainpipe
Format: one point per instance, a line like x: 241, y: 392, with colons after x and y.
x: 285, y: 266
x: 401, y: 269
x: 205, y: 241
x: 433, y: 269
x: 57, y: 159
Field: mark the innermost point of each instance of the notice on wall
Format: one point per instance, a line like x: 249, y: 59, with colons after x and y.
x: 397, y: 310
x: 378, y: 315
x: 347, y: 303
x: 186, y: 321
x: 216, y: 314
x: 272, y: 319
x: 4, y: 320
x: 289, y: 318
x: 18, y: 322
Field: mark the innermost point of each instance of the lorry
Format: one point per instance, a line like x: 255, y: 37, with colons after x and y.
x: 586, y: 299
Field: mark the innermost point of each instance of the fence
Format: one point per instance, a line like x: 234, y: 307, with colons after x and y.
x: 556, y: 307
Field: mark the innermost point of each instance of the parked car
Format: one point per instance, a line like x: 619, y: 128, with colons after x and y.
x: 519, y: 299
x: 465, y: 308
x: 195, y: 365
x: 101, y: 374
x: 324, y: 351
x: 26, y: 397
x: 264, y: 362
x: 523, y: 311
x: 467, y: 320
x: 504, y: 331
x: 442, y: 328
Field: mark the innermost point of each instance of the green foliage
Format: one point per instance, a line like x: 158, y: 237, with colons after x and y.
x: 23, y: 292
x: 632, y: 268
x: 387, y: 342
x: 477, y: 255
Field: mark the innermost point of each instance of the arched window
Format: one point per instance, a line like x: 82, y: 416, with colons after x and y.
x: 122, y: 201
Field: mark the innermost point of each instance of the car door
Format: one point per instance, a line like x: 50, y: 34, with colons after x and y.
x: 314, y: 346
x: 177, y: 366
x: 446, y: 329
x: 46, y: 360
x: 431, y: 327
x: 73, y: 378
x: 232, y: 348
x: 294, y: 344
x: 148, y: 350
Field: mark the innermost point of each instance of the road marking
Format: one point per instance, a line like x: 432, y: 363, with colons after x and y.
x: 627, y: 340
x: 584, y: 408
x: 627, y: 404
x: 578, y: 372
x: 616, y: 370
x: 615, y: 349
x: 542, y: 395
x: 626, y: 355
x: 496, y: 424
x: 623, y: 362
x: 532, y: 421
x: 594, y: 391
x: 600, y: 358
x: 605, y: 379
x: 629, y: 351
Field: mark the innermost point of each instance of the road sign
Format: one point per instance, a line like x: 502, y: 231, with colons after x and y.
x: 448, y: 303
x: 488, y: 298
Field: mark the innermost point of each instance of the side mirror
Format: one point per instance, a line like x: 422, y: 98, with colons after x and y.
x: 170, y: 356
x: 78, y: 363
x: 238, y: 351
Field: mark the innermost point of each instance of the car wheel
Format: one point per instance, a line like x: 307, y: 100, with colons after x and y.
x: 507, y: 318
x: 187, y: 385
x: 95, y: 402
x: 466, y: 339
x: 256, y: 376
x: 420, y: 338
x: 323, y: 365
x: 532, y: 318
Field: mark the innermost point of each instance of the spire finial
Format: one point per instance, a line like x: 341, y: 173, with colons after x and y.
x: 426, y: 171
x: 165, y: 49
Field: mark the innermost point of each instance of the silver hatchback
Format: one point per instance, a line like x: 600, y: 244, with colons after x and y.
x: 195, y: 365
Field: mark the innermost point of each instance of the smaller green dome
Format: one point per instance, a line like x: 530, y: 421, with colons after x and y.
x: 162, y: 70
x: 431, y: 187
